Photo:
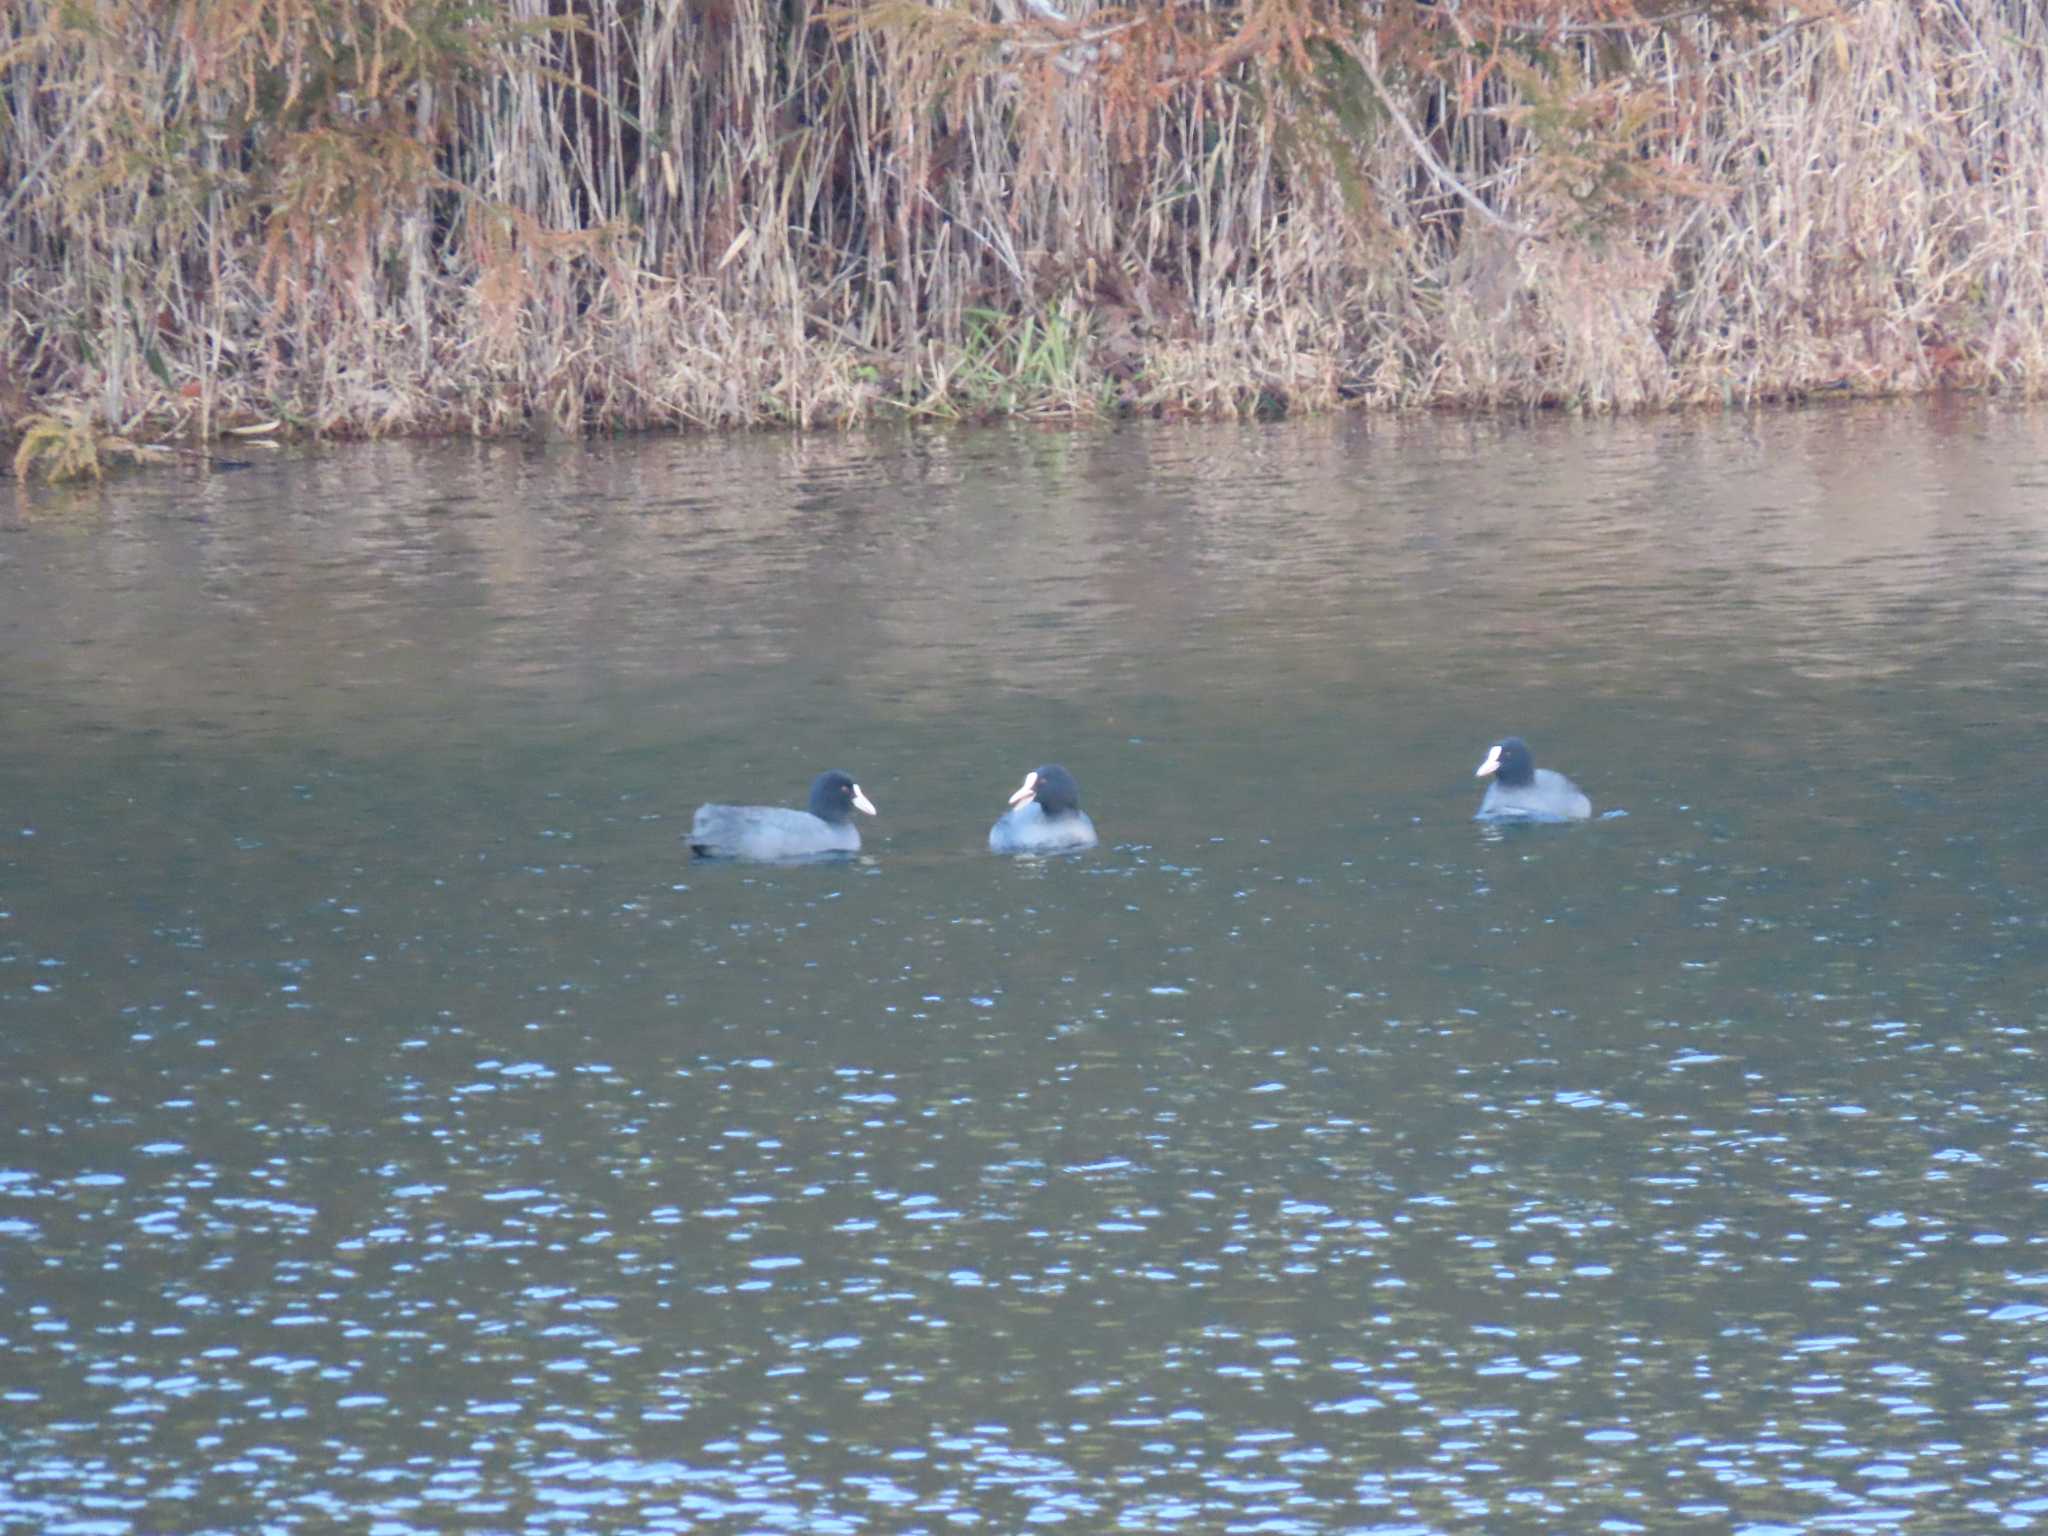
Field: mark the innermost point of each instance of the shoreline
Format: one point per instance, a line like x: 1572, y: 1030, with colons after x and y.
x: 91, y: 454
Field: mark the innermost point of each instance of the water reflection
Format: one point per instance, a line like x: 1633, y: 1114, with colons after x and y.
x: 402, y: 1130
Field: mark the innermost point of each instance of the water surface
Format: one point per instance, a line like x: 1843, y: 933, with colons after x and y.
x: 400, y: 1131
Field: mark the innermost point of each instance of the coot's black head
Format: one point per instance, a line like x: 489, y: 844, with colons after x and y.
x: 1053, y: 788
x: 835, y: 797
x: 1512, y: 761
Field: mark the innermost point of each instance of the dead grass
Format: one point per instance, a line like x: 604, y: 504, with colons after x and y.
x: 378, y: 216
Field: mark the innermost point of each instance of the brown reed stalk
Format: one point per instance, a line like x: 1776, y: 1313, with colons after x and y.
x: 360, y: 216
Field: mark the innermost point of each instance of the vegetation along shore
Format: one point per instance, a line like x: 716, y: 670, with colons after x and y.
x: 380, y: 216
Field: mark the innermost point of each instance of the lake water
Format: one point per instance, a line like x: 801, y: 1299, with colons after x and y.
x: 399, y: 1133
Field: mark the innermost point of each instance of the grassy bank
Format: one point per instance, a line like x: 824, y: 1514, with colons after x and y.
x: 371, y: 216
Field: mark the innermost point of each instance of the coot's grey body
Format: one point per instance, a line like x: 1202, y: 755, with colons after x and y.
x: 1045, y: 816
x: 775, y: 833
x: 1521, y: 791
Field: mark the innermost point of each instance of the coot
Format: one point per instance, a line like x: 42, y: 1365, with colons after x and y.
x: 774, y: 832
x: 1046, y: 816
x: 1521, y: 791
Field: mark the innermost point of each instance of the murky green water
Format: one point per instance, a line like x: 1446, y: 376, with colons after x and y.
x: 398, y: 1133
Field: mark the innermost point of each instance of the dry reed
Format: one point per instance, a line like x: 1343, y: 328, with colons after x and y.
x: 368, y: 216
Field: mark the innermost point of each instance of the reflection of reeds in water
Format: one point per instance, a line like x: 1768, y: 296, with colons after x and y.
x: 415, y: 214
x: 1021, y: 575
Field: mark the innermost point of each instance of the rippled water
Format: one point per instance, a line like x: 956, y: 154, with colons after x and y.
x: 398, y: 1132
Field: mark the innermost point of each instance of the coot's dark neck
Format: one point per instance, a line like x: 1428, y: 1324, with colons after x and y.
x: 832, y: 800
x: 1517, y: 767
x: 1057, y: 796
